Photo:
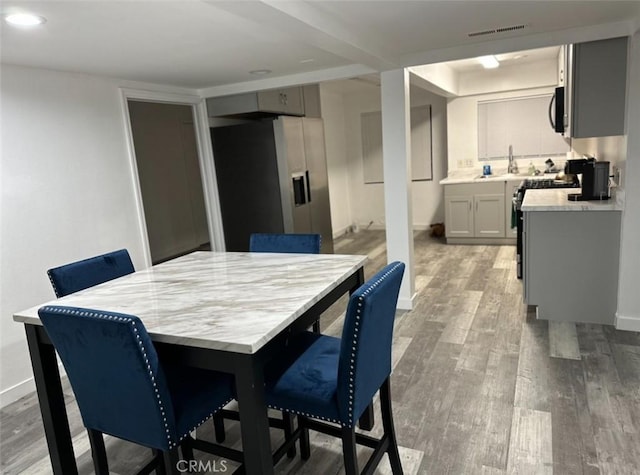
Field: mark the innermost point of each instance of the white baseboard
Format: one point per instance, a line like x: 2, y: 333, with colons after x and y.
x: 382, y: 227
x: 15, y: 392
x: 405, y: 303
x: 341, y: 232
x: 627, y: 323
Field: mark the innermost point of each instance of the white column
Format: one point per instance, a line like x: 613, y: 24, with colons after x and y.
x: 396, y: 153
x: 628, y: 313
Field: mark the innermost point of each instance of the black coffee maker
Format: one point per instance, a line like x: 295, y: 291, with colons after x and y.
x: 595, y: 178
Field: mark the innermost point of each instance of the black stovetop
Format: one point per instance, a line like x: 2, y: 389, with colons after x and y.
x: 549, y: 183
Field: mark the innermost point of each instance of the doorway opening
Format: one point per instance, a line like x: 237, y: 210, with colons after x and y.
x: 166, y: 156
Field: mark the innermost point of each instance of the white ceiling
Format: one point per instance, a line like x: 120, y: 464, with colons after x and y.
x: 206, y: 44
x: 508, y: 59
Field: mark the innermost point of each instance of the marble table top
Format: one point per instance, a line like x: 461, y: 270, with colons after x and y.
x: 227, y: 301
x: 556, y: 199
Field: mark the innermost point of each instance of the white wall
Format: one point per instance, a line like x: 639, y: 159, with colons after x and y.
x: 366, y: 201
x: 332, y: 107
x: 462, y: 124
x: 428, y: 197
x: 628, y: 314
x: 440, y: 75
x: 67, y: 193
x: 539, y: 77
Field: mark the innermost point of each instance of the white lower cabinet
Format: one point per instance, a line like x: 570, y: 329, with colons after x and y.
x: 571, y: 264
x: 459, y: 215
x: 475, y: 213
x: 489, y: 215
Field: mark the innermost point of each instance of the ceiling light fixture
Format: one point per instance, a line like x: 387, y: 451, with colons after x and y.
x: 489, y: 62
x: 24, y: 19
x: 260, y: 72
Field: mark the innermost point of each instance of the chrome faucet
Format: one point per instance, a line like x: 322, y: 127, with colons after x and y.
x: 513, y: 166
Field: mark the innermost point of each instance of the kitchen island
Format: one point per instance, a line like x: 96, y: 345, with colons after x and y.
x: 571, y: 255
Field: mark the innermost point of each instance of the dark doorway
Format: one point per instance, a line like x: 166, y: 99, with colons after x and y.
x: 170, y: 181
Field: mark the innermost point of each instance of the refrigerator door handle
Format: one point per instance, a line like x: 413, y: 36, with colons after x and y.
x: 299, y: 192
x: 308, y: 186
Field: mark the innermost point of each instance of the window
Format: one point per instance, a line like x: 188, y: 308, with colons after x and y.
x: 521, y: 122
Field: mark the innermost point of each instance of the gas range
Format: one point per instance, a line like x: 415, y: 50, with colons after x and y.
x: 549, y: 183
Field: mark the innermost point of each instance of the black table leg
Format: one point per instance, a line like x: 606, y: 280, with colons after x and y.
x: 254, y: 423
x: 51, y: 400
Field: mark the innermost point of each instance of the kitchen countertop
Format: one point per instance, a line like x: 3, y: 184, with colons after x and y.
x: 458, y: 177
x: 555, y: 199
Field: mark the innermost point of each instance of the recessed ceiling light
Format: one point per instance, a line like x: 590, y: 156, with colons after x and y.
x: 309, y: 60
x: 489, y: 62
x: 24, y: 19
x: 260, y: 72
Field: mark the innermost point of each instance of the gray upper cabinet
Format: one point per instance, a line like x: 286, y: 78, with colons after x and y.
x: 598, y: 88
x: 287, y: 101
x: 311, y: 97
x: 283, y: 101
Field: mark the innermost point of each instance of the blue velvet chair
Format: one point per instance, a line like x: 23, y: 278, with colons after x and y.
x: 122, y: 388
x: 294, y: 243
x: 80, y: 275
x: 287, y: 243
x: 322, y: 378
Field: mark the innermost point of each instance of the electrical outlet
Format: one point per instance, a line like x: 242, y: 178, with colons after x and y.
x: 617, y: 176
x: 466, y: 163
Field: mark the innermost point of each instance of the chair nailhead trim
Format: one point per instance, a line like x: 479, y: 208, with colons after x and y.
x: 354, y: 342
x: 172, y: 444
x: 53, y: 284
x: 203, y: 420
x: 306, y: 414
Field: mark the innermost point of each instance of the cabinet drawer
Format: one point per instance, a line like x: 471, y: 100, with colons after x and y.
x: 474, y: 188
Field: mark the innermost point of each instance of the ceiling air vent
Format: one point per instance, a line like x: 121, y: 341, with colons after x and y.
x: 493, y: 31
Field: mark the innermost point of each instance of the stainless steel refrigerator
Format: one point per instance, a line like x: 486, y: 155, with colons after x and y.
x: 272, y: 178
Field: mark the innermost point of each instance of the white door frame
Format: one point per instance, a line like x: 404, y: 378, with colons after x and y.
x: 205, y: 157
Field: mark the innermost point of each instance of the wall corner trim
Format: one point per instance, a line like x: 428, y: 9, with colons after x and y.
x: 407, y: 304
x: 627, y: 323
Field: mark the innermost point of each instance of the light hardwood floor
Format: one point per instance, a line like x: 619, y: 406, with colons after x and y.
x: 479, y: 385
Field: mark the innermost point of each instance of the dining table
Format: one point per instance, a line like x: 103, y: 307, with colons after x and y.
x: 225, y: 311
